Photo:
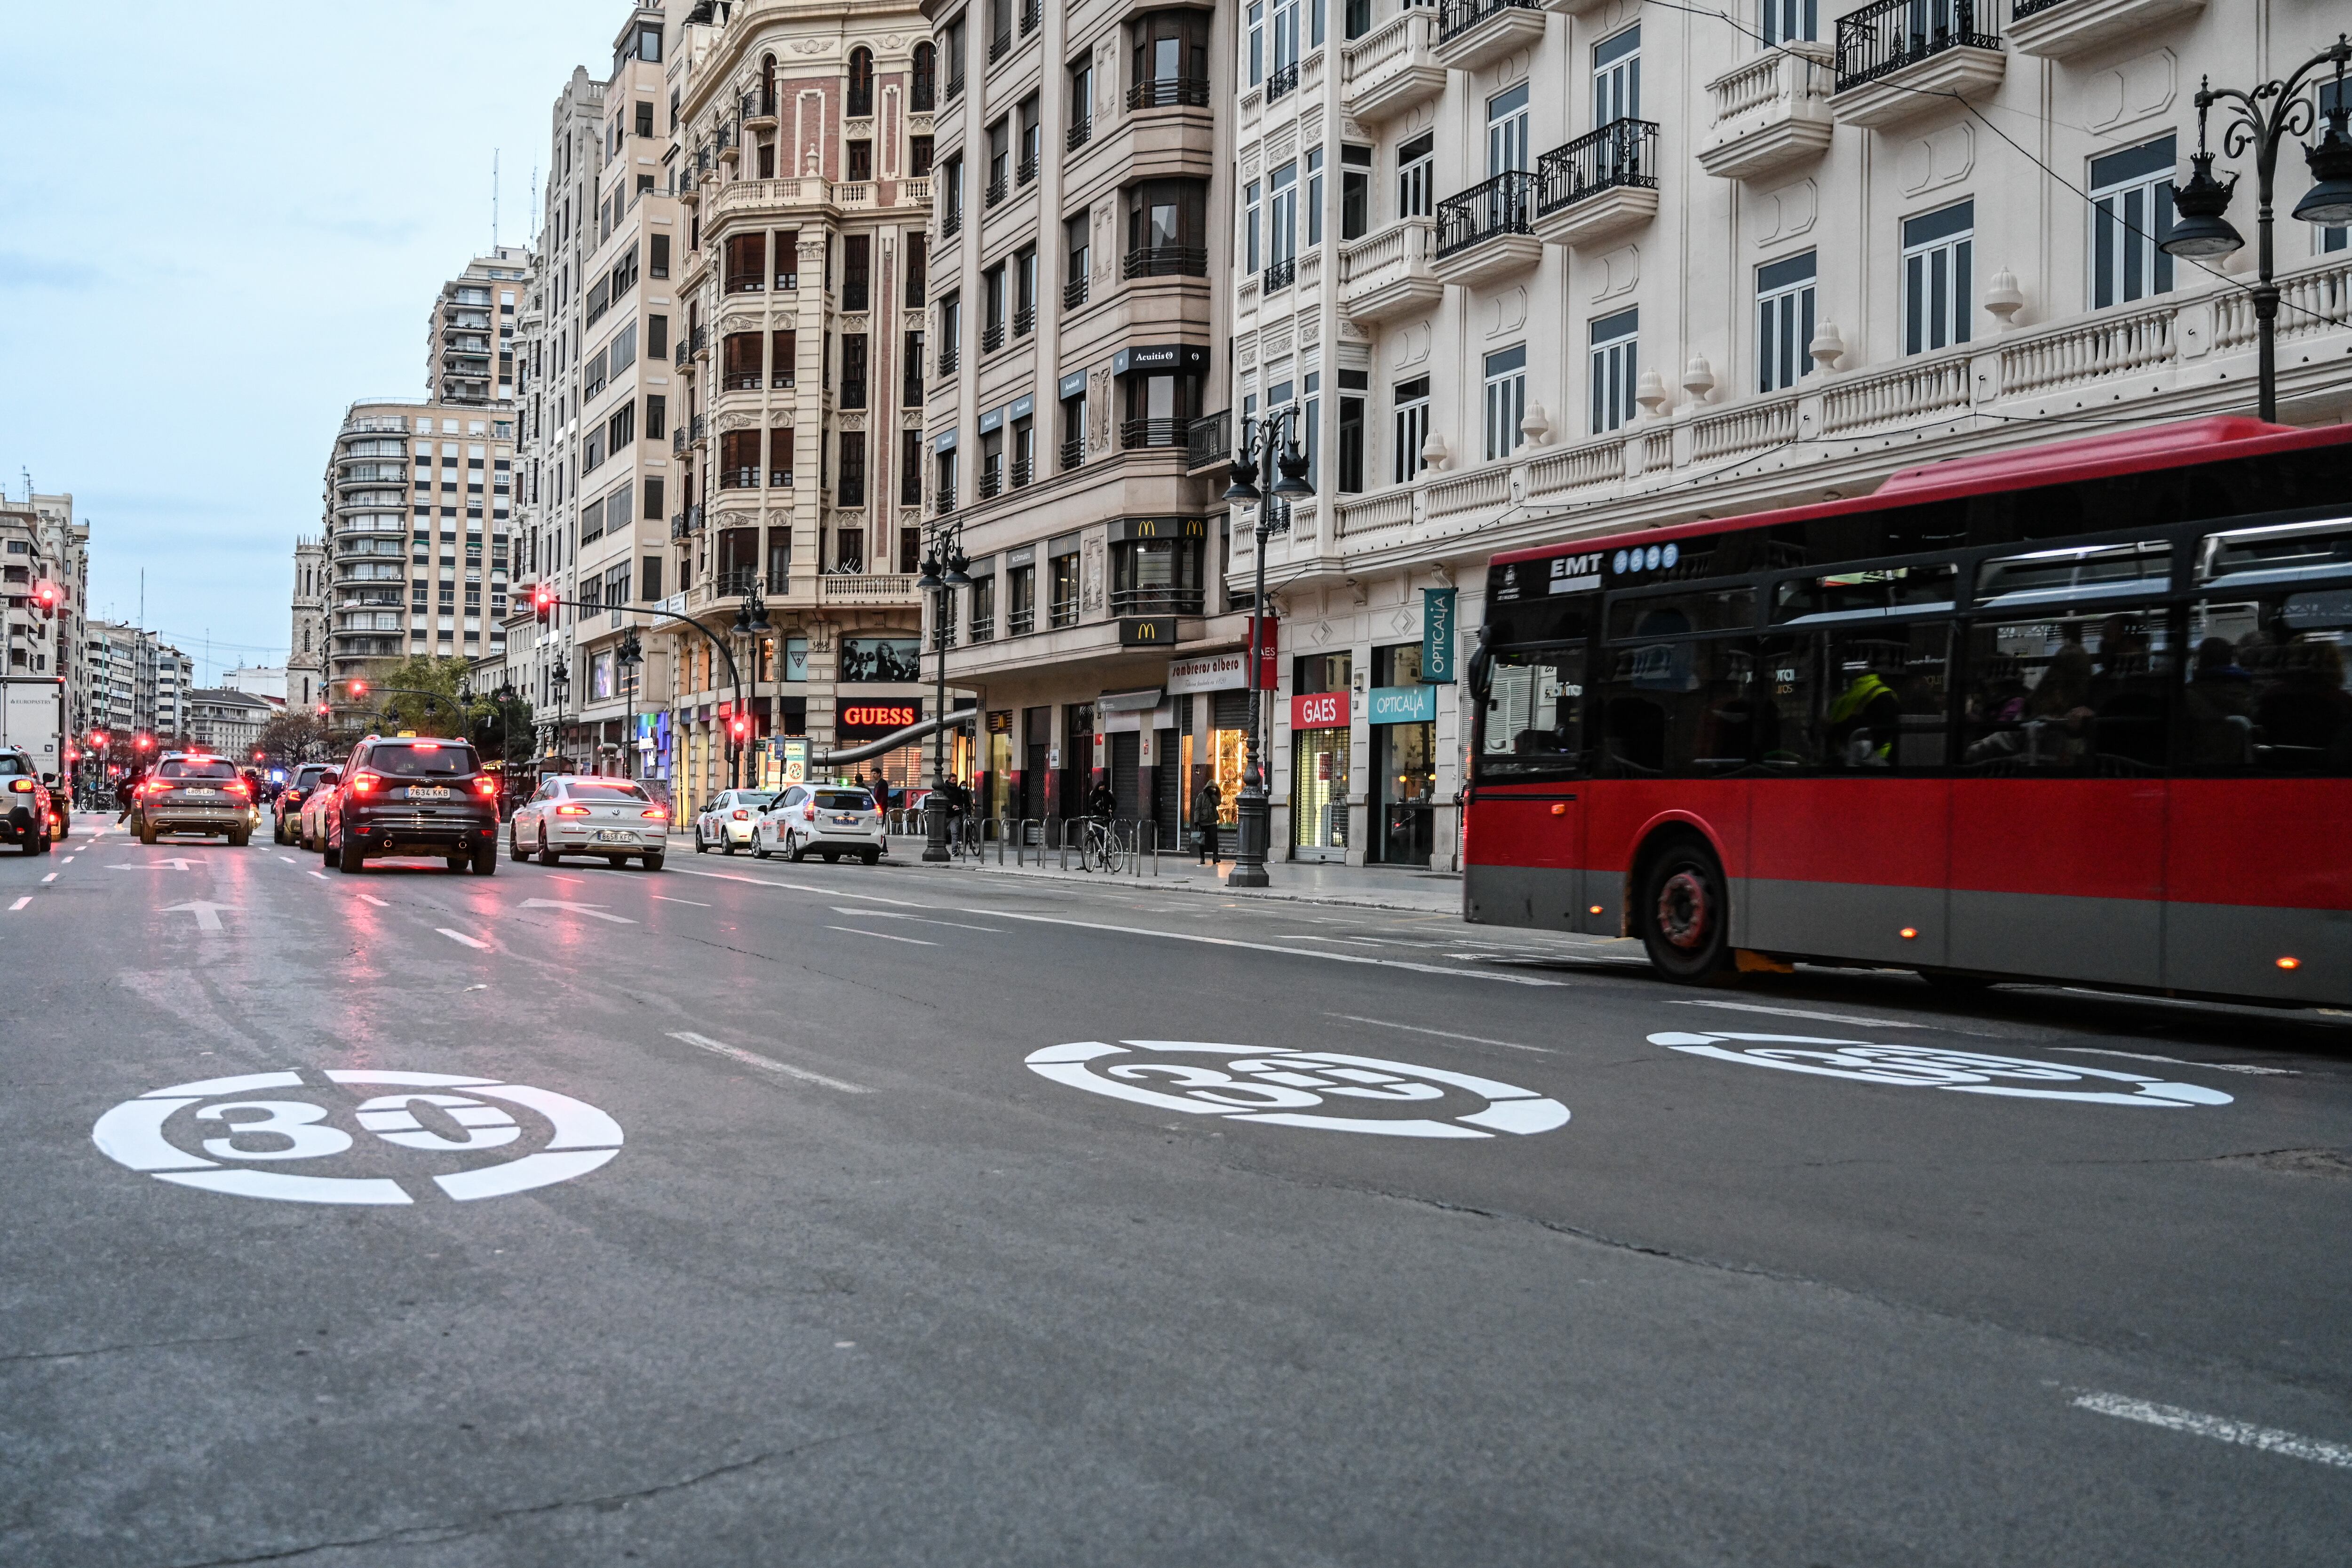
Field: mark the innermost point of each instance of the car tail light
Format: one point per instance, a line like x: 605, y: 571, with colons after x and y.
x: 364, y: 783
x: 808, y: 812
x: 22, y: 786
x: 425, y: 745
x: 242, y: 790
x: 571, y: 811
x: 484, y: 785
x: 656, y: 813
x: 742, y: 816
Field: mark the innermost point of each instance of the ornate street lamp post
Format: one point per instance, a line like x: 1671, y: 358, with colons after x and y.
x: 2262, y: 119
x: 944, y: 564
x: 1267, y: 445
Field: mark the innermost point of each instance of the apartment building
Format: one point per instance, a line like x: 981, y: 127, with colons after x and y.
x: 1531, y: 271
x: 469, y: 347
x: 418, y: 511
x: 25, y: 564
x: 802, y: 157
x: 113, y: 654
x: 223, y: 719
x: 65, y: 547
x: 1080, y: 308
x: 306, y: 658
x: 167, y: 682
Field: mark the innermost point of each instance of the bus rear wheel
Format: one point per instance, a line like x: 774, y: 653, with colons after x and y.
x: 1685, y: 914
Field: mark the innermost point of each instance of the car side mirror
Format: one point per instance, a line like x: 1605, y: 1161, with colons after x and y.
x: 332, y: 777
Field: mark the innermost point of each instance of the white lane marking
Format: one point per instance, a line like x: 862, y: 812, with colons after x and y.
x: 593, y: 911
x: 1310, y: 936
x: 48, y: 879
x: 208, y: 913
x: 765, y: 1064
x: 371, y: 899
x: 20, y: 903
x: 321, y: 876
x: 461, y: 936
x: 1933, y: 1067
x: 810, y: 888
x: 2180, y: 1061
x: 666, y: 898
x: 67, y: 861
x: 919, y: 920
x: 886, y: 936
x: 1495, y: 974
x: 1442, y: 1034
x: 1802, y: 1013
x: 174, y: 864
x: 2221, y: 1428
x: 290, y: 859
x: 554, y: 877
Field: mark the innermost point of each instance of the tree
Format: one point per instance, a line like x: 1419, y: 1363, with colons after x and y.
x: 438, y: 715
x: 291, y: 737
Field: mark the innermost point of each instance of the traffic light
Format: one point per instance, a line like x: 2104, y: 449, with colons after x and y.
x: 738, y: 728
x: 145, y: 743
x: 46, y: 597
x: 324, y: 711
x: 359, y: 691
x: 543, y: 602
x: 99, y: 739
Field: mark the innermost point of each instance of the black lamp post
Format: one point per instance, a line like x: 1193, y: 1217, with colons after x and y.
x: 1267, y: 445
x: 2261, y: 119
x: 751, y: 621
x: 944, y: 564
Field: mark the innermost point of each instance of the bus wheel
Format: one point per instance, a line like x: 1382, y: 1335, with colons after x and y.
x: 1685, y: 914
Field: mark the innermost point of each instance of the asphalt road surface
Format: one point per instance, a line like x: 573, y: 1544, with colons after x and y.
x: 755, y: 1213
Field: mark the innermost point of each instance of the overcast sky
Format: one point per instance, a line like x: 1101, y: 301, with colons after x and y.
x: 216, y: 229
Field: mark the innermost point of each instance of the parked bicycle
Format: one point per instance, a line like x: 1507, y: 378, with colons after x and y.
x: 1099, y: 848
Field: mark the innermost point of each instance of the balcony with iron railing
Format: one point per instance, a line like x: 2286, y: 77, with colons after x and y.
x: 943, y: 500
x: 678, y: 441
x: 910, y: 392
x: 746, y: 477
x: 1080, y: 134
x: 742, y: 380
x: 734, y: 582
x: 1167, y: 261
x: 953, y: 90
x: 1281, y: 81
x: 1135, y: 435
x: 1025, y: 171
x: 1019, y: 472
x: 1209, y: 440
x: 1600, y: 186
x: 982, y: 629
x: 1074, y: 293
x: 999, y: 187
x: 1897, y: 60
x: 1032, y: 13
x: 1475, y: 33
x: 991, y: 482
x: 1487, y: 232
x: 999, y: 47
x: 682, y: 354
x: 949, y: 358
x: 698, y: 428
x: 1168, y: 93
x: 1024, y: 321
x: 1279, y: 274
x: 992, y: 337
x: 1073, y: 453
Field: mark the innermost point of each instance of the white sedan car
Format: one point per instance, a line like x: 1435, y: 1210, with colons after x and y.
x: 577, y: 814
x: 726, y: 823
x: 826, y: 820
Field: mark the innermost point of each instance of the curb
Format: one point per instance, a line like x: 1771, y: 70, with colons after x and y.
x: 1338, y: 900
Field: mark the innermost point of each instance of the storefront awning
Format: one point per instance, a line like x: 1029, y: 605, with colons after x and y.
x: 1127, y: 701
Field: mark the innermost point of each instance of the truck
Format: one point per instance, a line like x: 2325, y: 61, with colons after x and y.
x: 33, y: 720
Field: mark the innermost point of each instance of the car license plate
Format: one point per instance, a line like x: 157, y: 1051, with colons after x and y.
x: 199, y: 789
x: 614, y: 835
x: 427, y: 792
x: 844, y: 822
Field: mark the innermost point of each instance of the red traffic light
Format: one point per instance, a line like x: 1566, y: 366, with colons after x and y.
x: 99, y: 739
x: 146, y: 743
x: 46, y: 597
x: 739, y: 727
x: 543, y: 602
x: 359, y: 687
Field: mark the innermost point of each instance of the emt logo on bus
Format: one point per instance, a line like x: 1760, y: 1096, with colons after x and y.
x: 1573, y: 573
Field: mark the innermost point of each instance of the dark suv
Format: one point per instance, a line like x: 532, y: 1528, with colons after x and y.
x: 286, y: 809
x: 406, y: 796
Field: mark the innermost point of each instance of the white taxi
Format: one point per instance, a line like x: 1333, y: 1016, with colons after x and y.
x: 826, y: 820
x: 726, y: 823
x: 578, y: 814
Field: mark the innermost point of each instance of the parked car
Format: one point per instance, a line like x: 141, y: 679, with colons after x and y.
x: 725, y: 825
x: 410, y: 795
x: 193, y: 792
x: 826, y: 820
x: 24, y: 804
x: 310, y: 821
x: 286, y: 811
x: 578, y: 814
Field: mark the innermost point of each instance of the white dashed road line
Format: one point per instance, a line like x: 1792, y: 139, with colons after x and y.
x: 321, y: 876
x: 20, y: 903
x: 48, y: 879
x: 371, y: 899
x: 1445, y: 1034
x: 754, y: 1059
x: 2221, y: 1428
x: 290, y: 859
x: 1800, y: 1013
x: 2180, y: 1061
x: 665, y: 899
x: 461, y: 936
x: 886, y: 936
x: 919, y: 920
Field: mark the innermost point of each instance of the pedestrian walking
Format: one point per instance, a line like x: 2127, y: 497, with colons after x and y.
x: 1206, y: 805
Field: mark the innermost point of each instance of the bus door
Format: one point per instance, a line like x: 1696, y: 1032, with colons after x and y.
x: 1849, y: 846
x: 2058, y: 808
x: 1524, y: 864
x: 2258, y: 871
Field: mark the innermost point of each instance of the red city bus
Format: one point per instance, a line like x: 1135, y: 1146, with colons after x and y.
x: 2072, y: 713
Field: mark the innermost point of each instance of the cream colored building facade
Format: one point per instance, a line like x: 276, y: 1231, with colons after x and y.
x: 1539, y: 271
x: 469, y: 339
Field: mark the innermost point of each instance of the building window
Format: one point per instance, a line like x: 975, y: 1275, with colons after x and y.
x: 1617, y: 77
x: 850, y: 489
x: 1412, y: 399
x: 1507, y: 131
x: 910, y: 468
x: 1314, y: 197
x: 1024, y: 290
x: 1615, y: 340
x: 917, y: 268
x: 1506, y: 400
x: 1938, y: 254
x: 1250, y: 227
x: 1062, y: 589
x: 856, y: 271
x: 1282, y: 225
x: 1355, y: 192
x: 1417, y: 176
x: 1256, y: 43
x: 1784, y: 323
x: 1789, y: 21
x: 1351, y: 430
x: 2131, y: 217
x: 861, y: 83
x: 923, y: 83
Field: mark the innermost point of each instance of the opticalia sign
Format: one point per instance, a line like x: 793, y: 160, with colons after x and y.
x: 1319, y: 711
x: 878, y: 717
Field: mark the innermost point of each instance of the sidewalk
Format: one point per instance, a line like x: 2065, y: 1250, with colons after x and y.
x: 1365, y: 887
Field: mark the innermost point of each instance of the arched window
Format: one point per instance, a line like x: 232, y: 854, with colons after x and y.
x: 861, y: 82
x: 926, y: 78
x: 767, y: 84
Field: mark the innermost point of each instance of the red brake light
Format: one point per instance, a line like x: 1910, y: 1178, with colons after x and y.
x: 741, y: 814
x: 486, y: 784
x: 364, y: 783
x: 571, y: 811
x: 658, y: 814
x: 240, y: 789
x: 22, y: 786
x: 808, y: 812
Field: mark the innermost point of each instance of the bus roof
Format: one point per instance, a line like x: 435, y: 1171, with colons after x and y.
x: 2085, y: 457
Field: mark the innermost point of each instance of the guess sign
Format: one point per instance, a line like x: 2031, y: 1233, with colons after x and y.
x: 878, y: 717
x: 1319, y: 711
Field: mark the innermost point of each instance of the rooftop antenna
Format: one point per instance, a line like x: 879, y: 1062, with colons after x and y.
x: 494, y: 201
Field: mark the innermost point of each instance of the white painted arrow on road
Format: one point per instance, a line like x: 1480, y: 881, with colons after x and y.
x: 594, y: 910
x: 173, y: 865
x: 207, y: 914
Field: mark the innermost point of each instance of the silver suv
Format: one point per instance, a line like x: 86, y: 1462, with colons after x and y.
x: 192, y: 792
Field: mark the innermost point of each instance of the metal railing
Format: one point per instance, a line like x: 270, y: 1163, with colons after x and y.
x: 734, y: 582
x: 1138, y: 433
x: 1281, y: 81
x: 1170, y: 92
x: 739, y: 479
x: 982, y: 630
x: 1025, y: 171
x: 992, y: 337
x: 999, y: 187
x: 1022, y: 468
x: 910, y: 391
x: 999, y: 47
x: 1073, y: 453
x: 1210, y: 439
x: 1885, y: 37
x: 1279, y: 274
x: 1080, y: 134
x: 991, y: 483
x: 954, y: 88
x: 780, y: 478
x: 1074, y: 293
x: 677, y: 442
x: 1168, y: 261
x: 741, y: 380
x: 1024, y: 321
x: 1623, y: 152
x: 1503, y: 205
x: 949, y: 359
x: 944, y: 500
x: 1157, y: 601
x: 1455, y: 18
x: 684, y: 352
x: 951, y: 222
x: 1020, y: 623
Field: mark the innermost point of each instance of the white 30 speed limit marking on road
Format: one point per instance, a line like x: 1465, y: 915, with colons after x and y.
x: 384, y: 1135
x: 1927, y: 1067
x: 1324, y: 1089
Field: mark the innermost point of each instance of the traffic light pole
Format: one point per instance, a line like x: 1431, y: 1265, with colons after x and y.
x: 734, y: 671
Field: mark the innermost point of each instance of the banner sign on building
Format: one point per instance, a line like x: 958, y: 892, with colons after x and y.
x: 1319, y: 711
x: 1147, y: 631
x: 1437, y: 636
x: 796, y: 761
x: 872, y: 721
x: 1267, y: 630
x: 1210, y: 672
x: 1401, y: 704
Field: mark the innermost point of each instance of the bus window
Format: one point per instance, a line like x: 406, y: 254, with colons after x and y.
x: 1679, y: 708
x: 1533, y: 720
x: 2265, y: 687
x: 2069, y: 691
x: 1864, y: 595
x: 2056, y: 576
x: 1856, y: 700
x: 1682, y: 614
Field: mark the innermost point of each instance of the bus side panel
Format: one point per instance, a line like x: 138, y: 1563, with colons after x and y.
x: 2257, y: 870
x: 1619, y: 813
x: 1843, y: 867
x: 2059, y: 877
x: 1523, y: 864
